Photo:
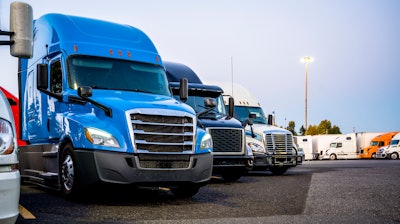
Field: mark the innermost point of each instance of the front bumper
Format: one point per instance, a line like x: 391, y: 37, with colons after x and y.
x: 262, y: 160
x: 9, y: 196
x: 225, y: 162
x: 381, y: 155
x: 122, y: 168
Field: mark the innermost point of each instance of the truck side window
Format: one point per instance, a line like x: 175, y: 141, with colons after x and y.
x: 56, y: 77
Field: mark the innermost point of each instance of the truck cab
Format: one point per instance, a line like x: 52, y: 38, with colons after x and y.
x: 9, y: 174
x: 231, y: 156
x: 342, y: 147
x: 96, y: 107
x: 391, y: 151
x: 273, y: 147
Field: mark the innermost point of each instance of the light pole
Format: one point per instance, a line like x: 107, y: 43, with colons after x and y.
x: 306, y: 60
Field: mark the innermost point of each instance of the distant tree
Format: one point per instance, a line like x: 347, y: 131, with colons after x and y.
x: 312, y: 130
x: 324, y: 127
x: 291, y: 127
x: 335, y: 130
x: 302, y: 130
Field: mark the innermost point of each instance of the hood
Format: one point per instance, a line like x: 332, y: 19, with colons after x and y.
x: 126, y: 100
x: 265, y: 129
x: 222, y: 122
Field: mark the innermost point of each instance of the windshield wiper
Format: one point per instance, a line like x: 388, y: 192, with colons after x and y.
x: 141, y: 91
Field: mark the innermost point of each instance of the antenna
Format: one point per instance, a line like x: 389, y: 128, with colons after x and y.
x: 232, y: 75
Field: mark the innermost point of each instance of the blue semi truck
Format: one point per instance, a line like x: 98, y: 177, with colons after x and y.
x: 232, y: 156
x: 96, y: 107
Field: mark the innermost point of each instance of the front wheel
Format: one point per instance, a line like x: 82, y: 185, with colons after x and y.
x: 373, y: 156
x: 394, y: 155
x: 332, y: 157
x: 68, y: 170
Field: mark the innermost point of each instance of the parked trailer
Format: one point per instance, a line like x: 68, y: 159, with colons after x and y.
x: 96, y: 107
x: 342, y: 146
x: 306, y: 143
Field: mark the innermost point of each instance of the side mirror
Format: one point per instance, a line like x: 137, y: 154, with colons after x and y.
x: 252, y: 116
x: 42, y: 76
x: 210, y: 102
x: 231, y: 107
x: 21, y: 25
x: 183, y: 89
x: 85, y: 91
x: 270, y: 119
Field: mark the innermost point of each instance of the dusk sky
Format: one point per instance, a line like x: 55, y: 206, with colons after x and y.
x: 354, y: 80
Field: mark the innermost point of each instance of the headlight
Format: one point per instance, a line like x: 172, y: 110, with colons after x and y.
x: 256, y: 147
x: 6, y: 138
x: 206, y: 142
x: 99, y: 137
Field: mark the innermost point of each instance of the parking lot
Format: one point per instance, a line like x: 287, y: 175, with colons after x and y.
x: 344, y: 191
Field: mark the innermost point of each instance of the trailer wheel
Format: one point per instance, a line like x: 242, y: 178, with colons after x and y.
x: 68, y: 170
x: 332, y: 156
x: 394, y: 155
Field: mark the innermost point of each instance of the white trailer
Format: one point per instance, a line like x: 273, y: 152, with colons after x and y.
x: 306, y: 143
x: 342, y: 146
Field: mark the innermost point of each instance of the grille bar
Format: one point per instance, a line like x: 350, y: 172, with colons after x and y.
x: 278, y: 143
x: 162, y: 133
x: 227, y: 140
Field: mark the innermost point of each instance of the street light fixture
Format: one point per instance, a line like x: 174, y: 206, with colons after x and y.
x: 306, y: 60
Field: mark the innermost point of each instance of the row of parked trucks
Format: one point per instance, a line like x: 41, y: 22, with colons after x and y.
x: 365, y: 145
x: 96, y: 104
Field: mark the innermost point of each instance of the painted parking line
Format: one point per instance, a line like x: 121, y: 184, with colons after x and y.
x: 25, y: 213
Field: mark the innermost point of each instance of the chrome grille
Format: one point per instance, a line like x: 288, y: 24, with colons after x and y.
x: 161, y: 133
x: 227, y: 140
x: 278, y: 143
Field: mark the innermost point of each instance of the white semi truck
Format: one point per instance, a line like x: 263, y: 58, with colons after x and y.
x: 392, y: 151
x: 273, y: 148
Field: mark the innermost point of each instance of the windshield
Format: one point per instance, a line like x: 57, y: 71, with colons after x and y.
x: 374, y: 143
x: 115, y: 74
x: 242, y: 113
x: 197, y: 103
x: 394, y: 142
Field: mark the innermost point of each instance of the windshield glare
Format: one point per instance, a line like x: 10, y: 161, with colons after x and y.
x: 242, y: 113
x: 197, y: 103
x: 115, y: 74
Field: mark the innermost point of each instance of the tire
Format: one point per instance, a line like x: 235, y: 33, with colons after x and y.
x: 332, y: 157
x: 394, y: 155
x: 186, y: 191
x: 68, y: 179
x: 373, y: 156
x: 277, y: 171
